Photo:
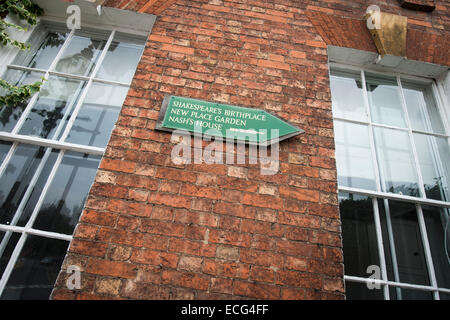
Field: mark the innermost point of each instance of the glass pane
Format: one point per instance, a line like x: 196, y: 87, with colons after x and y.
x: 396, y: 161
x: 444, y: 296
x: 65, y: 199
x: 80, y: 56
x: 98, y: 115
x: 57, y: 97
x: 358, y: 234
x: 9, y: 115
x: 384, y: 100
x: 354, y: 156
x: 409, y: 294
x: 422, y: 109
x: 410, y: 256
x: 8, y: 241
x: 360, y: 291
x: 16, y: 179
x: 121, y: 61
x: 347, y: 96
x: 45, y: 51
x: 438, y: 231
x: 434, y: 159
x: 4, y: 149
x: 36, y: 269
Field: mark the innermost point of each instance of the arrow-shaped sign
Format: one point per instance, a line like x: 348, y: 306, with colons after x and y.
x: 231, y: 123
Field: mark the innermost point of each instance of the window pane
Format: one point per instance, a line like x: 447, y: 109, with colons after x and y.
x: 4, y: 149
x: 434, y: 159
x: 422, y: 109
x: 80, y: 56
x: 8, y: 241
x: 360, y: 291
x: 58, y: 96
x: 121, y: 61
x: 65, y: 199
x: 384, y: 100
x: 44, y: 53
x: 98, y: 115
x: 347, y: 95
x: 407, y: 239
x: 438, y: 231
x: 396, y: 161
x: 36, y: 269
x: 358, y: 233
x: 354, y: 156
x: 444, y: 296
x: 16, y: 179
x: 409, y: 294
x: 9, y: 115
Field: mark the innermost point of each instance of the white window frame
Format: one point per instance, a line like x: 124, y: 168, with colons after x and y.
x: 135, y: 24
x: 443, y: 107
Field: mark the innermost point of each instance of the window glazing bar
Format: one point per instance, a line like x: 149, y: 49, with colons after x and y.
x: 379, y: 235
x: 68, y: 75
x: 42, y: 233
x: 395, y: 284
x: 105, y: 81
x: 27, y: 69
x: 379, y: 125
x: 387, y: 212
x: 394, y: 196
x: 426, y: 247
x: 18, y: 138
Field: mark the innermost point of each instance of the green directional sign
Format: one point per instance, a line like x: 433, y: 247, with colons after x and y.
x: 254, y: 126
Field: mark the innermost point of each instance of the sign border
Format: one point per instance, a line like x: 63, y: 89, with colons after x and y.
x: 165, y: 105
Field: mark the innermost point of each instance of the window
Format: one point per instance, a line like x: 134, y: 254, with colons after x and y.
x: 51, y: 146
x: 393, y: 164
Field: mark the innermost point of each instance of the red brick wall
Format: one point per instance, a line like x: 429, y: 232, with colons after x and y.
x: 155, y: 230
x: 424, y: 42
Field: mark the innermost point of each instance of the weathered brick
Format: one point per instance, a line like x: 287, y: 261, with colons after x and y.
x: 111, y: 268
x: 185, y: 279
x: 88, y: 248
x: 156, y: 258
x: 255, y: 290
x: 109, y: 287
x: 227, y: 253
x: 193, y: 264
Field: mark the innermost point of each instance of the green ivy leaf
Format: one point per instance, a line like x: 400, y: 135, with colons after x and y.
x: 29, y: 12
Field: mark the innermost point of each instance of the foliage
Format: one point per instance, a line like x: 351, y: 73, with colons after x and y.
x: 17, y: 94
x: 29, y: 12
